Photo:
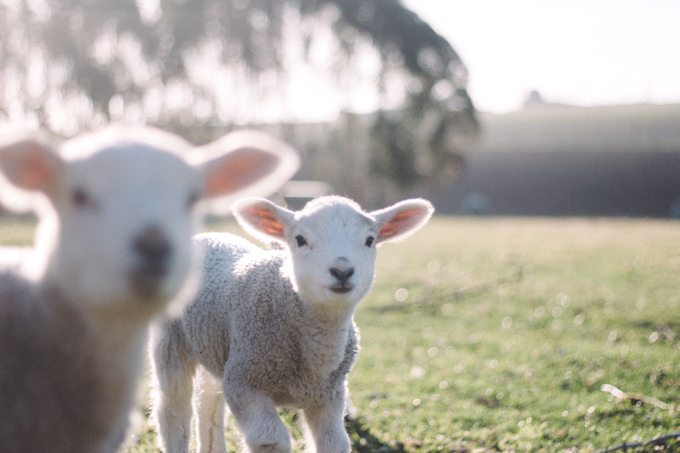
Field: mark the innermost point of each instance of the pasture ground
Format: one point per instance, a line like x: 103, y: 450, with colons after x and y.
x: 498, y: 334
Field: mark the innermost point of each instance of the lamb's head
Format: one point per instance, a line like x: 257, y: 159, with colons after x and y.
x: 332, y: 241
x: 119, y: 207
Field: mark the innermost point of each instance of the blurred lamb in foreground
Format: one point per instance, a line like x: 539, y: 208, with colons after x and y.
x: 113, y: 251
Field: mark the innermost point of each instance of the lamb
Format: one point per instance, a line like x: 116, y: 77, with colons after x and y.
x: 272, y: 328
x: 113, y: 251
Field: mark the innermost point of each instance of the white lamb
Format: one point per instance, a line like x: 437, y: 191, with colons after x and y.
x: 113, y: 250
x: 274, y: 328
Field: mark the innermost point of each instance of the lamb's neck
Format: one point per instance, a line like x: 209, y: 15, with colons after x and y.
x: 122, y: 337
x: 325, y: 335
x: 115, y: 344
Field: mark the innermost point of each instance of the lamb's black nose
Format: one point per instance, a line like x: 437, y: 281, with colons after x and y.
x: 152, y: 251
x: 152, y: 247
x: 342, y: 274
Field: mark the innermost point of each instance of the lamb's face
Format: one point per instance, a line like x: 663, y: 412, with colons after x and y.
x: 332, y: 241
x: 333, y: 252
x: 126, y: 220
x: 117, y: 228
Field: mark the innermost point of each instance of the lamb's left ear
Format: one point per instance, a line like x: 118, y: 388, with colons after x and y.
x: 401, y: 219
x: 248, y: 163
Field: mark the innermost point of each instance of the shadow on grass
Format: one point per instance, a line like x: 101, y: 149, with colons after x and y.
x: 364, y: 441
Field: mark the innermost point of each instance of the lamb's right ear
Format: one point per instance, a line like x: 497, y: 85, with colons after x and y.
x: 263, y: 219
x: 248, y: 163
x: 29, y: 165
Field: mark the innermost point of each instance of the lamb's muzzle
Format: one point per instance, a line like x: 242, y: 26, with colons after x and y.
x: 154, y: 253
x: 342, y: 271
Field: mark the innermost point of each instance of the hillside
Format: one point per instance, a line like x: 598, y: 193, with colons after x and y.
x: 643, y: 127
x: 569, y: 161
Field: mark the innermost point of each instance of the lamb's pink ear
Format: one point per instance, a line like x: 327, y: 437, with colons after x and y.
x: 401, y: 219
x: 262, y: 218
x: 30, y: 165
x: 248, y: 163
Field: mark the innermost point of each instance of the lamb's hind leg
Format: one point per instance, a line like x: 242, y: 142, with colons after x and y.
x: 209, y: 404
x: 173, y: 367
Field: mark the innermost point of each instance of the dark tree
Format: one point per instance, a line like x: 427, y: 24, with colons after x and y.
x: 68, y: 64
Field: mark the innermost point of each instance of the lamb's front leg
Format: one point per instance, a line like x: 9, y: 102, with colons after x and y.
x: 258, y: 419
x: 326, y: 428
x: 209, y: 407
x: 174, y: 368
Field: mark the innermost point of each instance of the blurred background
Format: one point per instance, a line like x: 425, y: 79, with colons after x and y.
x: 487, y: 107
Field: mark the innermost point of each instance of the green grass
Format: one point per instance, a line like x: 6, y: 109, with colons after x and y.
x: 16, y: 230
x: 497, y: 335
x: 511, y: 327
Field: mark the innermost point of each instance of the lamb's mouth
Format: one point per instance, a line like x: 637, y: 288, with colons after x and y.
x: 341, y: 289
x: 147, y: 281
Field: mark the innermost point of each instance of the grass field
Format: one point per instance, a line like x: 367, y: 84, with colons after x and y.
x: 498, y: 335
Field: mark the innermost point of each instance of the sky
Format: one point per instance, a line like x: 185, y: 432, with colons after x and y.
x: 583, y: 52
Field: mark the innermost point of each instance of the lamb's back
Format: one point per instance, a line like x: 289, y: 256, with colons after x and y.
x: 14, y: 258
x: 240, y: 293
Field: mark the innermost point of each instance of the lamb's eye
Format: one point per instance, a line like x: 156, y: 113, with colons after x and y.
x: 301, y: 241
x: 81, y: 199
x: 369, y: 241
x: 192, y: 199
